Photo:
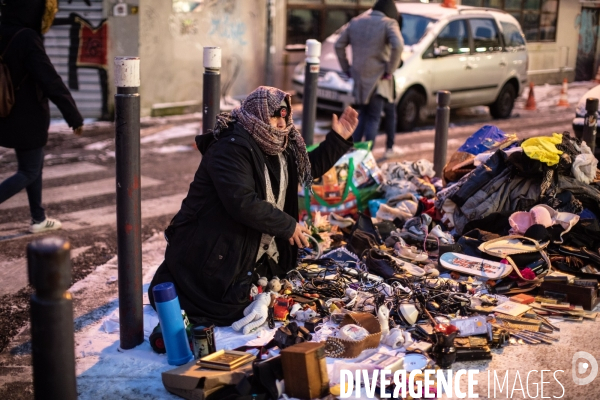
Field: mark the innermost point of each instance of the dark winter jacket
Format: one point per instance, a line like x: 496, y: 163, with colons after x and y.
x: 214, y: 238
x: 34, y: 78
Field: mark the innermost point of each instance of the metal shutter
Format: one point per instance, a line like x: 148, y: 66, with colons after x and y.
x: 57, y: 42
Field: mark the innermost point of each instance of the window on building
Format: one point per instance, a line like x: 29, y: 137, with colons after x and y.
x: 537, y: 17
x: 318, y: 19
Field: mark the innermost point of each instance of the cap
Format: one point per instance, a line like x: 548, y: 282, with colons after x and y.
x: 164, y: 292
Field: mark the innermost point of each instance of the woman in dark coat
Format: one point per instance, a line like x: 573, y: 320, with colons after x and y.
x: 240, y: 217
x: 25, y: 129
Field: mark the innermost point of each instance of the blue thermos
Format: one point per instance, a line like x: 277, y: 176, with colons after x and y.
x: 171, y: 323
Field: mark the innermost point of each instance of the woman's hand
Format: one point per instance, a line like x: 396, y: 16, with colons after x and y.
x: 298, y: 237
x: 78, y: 131
x: 347, y: 123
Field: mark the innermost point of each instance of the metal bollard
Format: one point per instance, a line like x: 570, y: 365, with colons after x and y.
x: 442, y: 119
x: 211, y: 87
x: 309, y: 100
x: 53, y: 345
x: 129, y: 205
x: 590, y: 122
x: 269, y: 47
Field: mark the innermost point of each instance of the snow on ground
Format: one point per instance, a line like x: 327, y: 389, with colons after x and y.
x: 547, y: 96
x: 185, y: 130
x: 172, y: 149
x: 103, y: 369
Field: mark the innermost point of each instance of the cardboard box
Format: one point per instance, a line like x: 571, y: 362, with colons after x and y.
x: 305, y: 370
x: 194, y: 383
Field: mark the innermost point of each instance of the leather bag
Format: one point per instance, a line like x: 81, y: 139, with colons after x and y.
x: 7, y: 90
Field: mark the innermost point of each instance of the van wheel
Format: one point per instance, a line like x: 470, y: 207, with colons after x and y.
x: 505, y: 102
x: 409, y: 110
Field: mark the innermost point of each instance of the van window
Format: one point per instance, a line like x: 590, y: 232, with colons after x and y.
x: 512, y: 36
x: 413, y: 28
x: 454, y: 37
x: 485, y: 35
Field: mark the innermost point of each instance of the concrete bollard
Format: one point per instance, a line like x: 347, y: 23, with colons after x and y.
x: 52, y: 341
x: 309, y: 100
x: 129, y: 205
x: 442, y: 119
x: 211, y: 87
x: 590, y: 123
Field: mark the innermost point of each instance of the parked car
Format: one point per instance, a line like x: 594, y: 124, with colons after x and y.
x: 478, y: 54
x: 580, y: 113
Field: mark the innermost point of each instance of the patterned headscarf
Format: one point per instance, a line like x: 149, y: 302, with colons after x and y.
x: 254, y: 114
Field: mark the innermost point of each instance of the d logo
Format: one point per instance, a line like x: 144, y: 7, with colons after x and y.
x: 579, y: 367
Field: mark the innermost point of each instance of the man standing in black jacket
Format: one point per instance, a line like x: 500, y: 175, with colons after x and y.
x: 25, y: 129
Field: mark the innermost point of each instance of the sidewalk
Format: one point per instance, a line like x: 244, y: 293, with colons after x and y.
x: 105, y: 372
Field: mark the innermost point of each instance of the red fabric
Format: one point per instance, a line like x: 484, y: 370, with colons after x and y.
x: 92, y: 46
x: 429, y: 209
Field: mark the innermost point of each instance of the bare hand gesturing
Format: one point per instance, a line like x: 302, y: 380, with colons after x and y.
x: 346, y: 124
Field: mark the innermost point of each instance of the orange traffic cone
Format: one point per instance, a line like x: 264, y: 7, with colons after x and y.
x: 530, y: 105
x: 449, y: 3
x: 564, y: 100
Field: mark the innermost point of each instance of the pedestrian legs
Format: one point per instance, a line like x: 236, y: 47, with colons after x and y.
x: 29, y: 177
x: 369, y: 118
x: 390, y: 124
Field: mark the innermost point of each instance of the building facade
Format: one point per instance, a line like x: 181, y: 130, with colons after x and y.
x: 262, y: 42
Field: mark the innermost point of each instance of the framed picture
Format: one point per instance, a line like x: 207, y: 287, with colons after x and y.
x: 226, y: 360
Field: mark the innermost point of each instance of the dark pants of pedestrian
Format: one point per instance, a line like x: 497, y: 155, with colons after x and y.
x: 390, y: 123
x: 369, y: 118
x: 29, y: 177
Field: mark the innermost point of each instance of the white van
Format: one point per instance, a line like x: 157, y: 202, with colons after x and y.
x: 478, y: 54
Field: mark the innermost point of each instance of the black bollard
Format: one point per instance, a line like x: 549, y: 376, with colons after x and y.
x: 590, y: 122
x: 211, y: 87
x: 442, y: 119
x: 129, y: 205
x: 52, y: 342
x: 309, y: 100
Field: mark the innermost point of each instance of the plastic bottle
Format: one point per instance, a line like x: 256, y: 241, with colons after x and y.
x: 171, y: 322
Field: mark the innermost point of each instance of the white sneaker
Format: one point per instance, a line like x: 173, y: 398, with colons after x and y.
x: 49, y: 224
x: 444, y: 237
x: 391, y: 153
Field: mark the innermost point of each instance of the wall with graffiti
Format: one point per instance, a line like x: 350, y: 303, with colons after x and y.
x: 77, y: 45
x: 172, y: 37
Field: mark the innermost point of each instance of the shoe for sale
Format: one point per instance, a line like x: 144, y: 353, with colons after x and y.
x: 444, y: 237
x: 431, y: 243
x: 380, y: 263
x: 418, y: 225
x: 340, y: 221
x: 409, y: 268
x: 49, y: 224
x: 410, y: 253
x: 394, y: 238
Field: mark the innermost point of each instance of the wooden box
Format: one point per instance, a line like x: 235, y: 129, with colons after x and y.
x: 587, y: 297
x: 305, y: 370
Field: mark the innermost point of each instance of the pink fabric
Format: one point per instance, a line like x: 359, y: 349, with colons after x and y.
x: 541, y: 215
x: 544, y: 215
x: 520, y: 221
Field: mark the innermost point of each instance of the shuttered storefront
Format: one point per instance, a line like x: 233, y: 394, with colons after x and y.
x: 59, y: 44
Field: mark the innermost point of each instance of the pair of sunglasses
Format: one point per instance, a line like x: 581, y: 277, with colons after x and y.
x: 281, y: 112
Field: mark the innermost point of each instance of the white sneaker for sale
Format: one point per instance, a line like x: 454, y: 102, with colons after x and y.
x: 49, y: 224
x: 444, y: 237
